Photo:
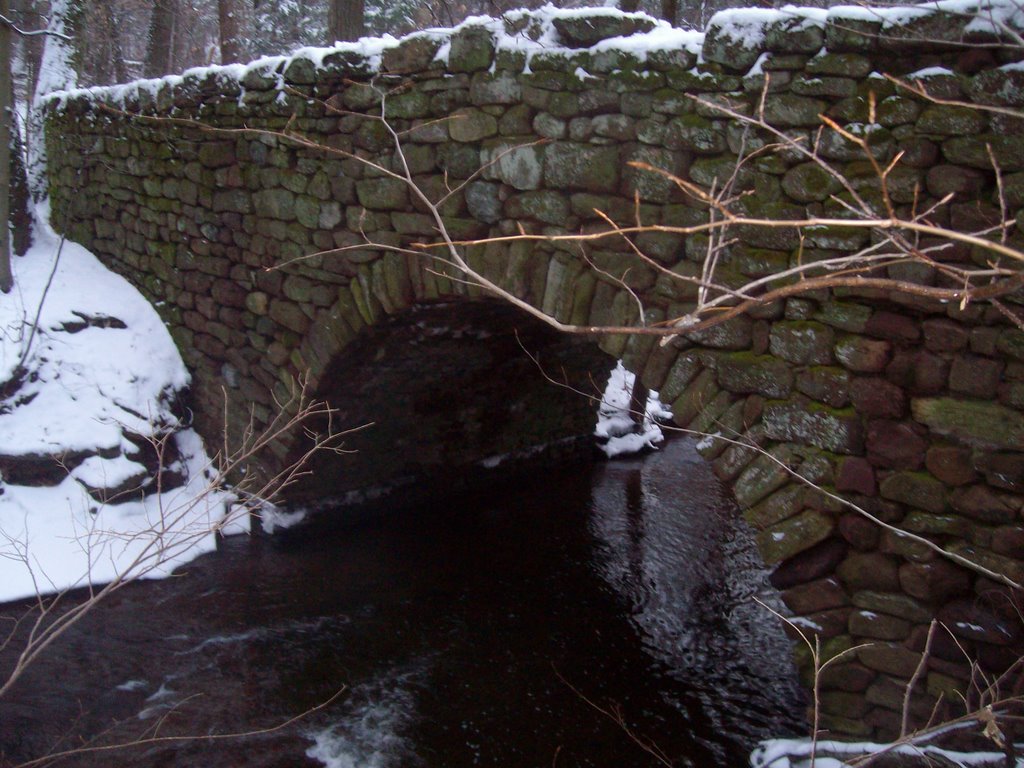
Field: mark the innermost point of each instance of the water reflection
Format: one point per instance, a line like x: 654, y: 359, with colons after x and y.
x: 690, y: 573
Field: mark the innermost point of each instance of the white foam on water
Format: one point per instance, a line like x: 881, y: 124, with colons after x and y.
x: 371, y: 734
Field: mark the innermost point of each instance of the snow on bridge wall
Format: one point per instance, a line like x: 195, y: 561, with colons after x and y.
x: 909, y: 406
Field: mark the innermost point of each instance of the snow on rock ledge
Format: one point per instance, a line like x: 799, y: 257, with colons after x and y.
x: 76, y: 418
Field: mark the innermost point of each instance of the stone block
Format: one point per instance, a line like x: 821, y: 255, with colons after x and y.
x: 856, y: 475
x: 793, y: 536
x: 975, y: 376
x: 804, y: 342
x: 889, y: 325
x: 871, y: 571
x: 890, y: 658
x: 765, y: 474
x: 413, y: 54
x: 951, y: 120
x: 569, y: 165
x: 979, y: 502
x: 951, y: 464
x: 918, y: 490
x: 814, y: 596
x: 696, y: 134
x: 776, y: 508
x: 809, y: 423
x: 826, y: 384
x: 472, y: 125
x: 472, y: 49
x: 876, y: 398
x: 979, y: 424
x: 746, y: 373
x: 968, y: 620
x: 862, y: 355
x: 896, y: 445
x: 817, y: 562
x: 941, y: 335
x: 935, y: 581
x: 585, y: 30
x: 735, y: 333
x: 878, y: 626
x: 1002, y: 470
x: 697, y: 395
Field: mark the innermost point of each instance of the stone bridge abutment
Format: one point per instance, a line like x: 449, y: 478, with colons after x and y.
x: 277, y: 259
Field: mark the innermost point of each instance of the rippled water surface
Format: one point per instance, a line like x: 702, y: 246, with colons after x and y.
x: 484, y: 634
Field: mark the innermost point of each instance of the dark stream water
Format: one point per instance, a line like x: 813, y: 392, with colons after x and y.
x: 463, y: 636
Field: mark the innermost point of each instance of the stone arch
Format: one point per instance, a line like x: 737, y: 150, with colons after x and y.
x: 450, y: 395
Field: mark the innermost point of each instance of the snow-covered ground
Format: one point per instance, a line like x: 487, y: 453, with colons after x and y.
x: 101, y: 367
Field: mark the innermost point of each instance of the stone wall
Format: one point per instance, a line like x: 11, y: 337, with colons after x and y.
x: 910, y: 407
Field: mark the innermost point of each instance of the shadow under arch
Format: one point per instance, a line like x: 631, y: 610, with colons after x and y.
x: 446, y: 396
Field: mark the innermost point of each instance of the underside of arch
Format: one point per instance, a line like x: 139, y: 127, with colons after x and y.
x: 445, y: 395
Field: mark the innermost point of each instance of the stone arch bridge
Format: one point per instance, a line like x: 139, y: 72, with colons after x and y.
x: 909, y: 406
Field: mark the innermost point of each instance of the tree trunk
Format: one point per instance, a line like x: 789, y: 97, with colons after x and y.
x: 670, y: 11
x: 105, y: 57
x: 345, y: 20
x: 61, y: 63
x: 629, y: 6
x: 6, y: 113
x: 233, y: 40
x: 160, y: 47
x: 20, y: 212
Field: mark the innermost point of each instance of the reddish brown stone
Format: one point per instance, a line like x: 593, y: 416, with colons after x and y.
x: 824, y: 624
x: 820, y: 560
x: 889, y: 325
x: 920, y: 372
x: 982, y: 503
x: 861, y: 533
x: 862, y: 355
x: 896, y: 444
x: 878, y: 626
x: 968, y: 620
x: 983, y: 340
x: 942, y: 335
x: 1009, y: 540
x: 819, y: 595
x: 876, y: 398
x: 1002, y: 470
x: 934, y: 582
x: 856, y: 475
x: 945, y: 656
x: 869, y: 570
x: 975, y: 376
x: 851, y: 677
x: 950, y: 464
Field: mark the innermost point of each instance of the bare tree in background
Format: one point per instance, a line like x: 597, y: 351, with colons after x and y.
x: 103, y: 56
x: 6, y: 109
x: 160, y: 45
x: 233, y: 17
x: 346, y: 20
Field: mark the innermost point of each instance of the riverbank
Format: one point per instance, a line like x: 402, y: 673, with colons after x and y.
x: 89, y: 423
